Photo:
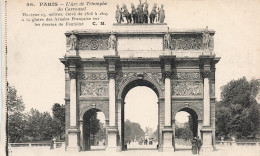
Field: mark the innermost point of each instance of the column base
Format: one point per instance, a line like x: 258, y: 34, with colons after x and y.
x: 206, y: 139
x: 167, y: 139
x: 112, y: 139
x: 73, y: 140
x: 73, y: 149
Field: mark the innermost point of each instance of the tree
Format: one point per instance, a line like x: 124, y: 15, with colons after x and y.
x: 133, y: 130
x: 183, y: 132
x: 15, y: 103
x: 58, y: 112
x: 237, y: 113
x: 16, y: 106
x: 39, y: 125
x: 94, y: 127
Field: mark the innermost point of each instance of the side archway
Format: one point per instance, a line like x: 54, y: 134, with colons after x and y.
x: 93, y: 132
x: 97, y: 107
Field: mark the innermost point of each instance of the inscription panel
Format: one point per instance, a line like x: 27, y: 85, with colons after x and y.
x: 140, y: 43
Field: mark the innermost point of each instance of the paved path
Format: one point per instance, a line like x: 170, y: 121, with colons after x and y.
x: 222, y: 151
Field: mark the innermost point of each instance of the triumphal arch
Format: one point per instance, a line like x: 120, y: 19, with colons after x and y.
x: 101, y: 66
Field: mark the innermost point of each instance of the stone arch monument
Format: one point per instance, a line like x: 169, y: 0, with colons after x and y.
x: 98, y: 76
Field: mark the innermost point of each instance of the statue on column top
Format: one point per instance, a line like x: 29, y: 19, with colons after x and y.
x: 167, y: 40
x: 112, y: 41
x: 73, y: 41
x: 205, y: 41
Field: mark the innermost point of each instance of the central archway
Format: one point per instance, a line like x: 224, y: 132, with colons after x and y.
x: 129, y: 86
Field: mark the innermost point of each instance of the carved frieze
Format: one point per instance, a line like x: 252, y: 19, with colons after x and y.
x: 187, y: 88
x: 93, y: 43
x: 187, y: 76
x: 93, y: 89
x: 93, y: 76
x: 122, y: 77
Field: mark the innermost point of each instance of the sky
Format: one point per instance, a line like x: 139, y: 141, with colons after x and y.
x: 35, y: 71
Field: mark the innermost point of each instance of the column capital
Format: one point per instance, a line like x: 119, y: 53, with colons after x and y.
x: 73, y: 74
x: 206, y: 70
x: 111, y: 74
x: 167, y: 74
x: 206, y: 73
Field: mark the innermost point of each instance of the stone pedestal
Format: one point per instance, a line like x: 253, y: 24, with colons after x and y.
x: 71, y: 53
x: 167, y: 139
x: 112, y: 139
x: 167, y: 52
x: 73, y: 140
x: 206, y: 139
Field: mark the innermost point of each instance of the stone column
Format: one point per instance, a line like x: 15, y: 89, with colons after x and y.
x: 112, y: 98
x: 200, y: 124
x: 73, y: 130
x: 167, y: 93
x: 167, y: 130
x: 82, y: 144
x: 206, y: 99
x: 119, y: 124
x: 112, y: 129
x: 206, y: 129
x: 107, y: 125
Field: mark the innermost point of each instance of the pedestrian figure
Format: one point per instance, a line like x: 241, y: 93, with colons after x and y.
x: 52, y: 144
x: 199, y: 143
x: 194, y: 145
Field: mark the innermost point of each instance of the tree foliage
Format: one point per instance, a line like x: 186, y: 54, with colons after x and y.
x: 133, y: 130
x: 16, y: 127
x: 39, y: 126
x: 33, y: 125
x: 237, y: 113
x: 58, y: 112
x: 183, y: 132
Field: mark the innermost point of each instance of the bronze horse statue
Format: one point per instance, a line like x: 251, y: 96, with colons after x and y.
x: 134, y: 13
x: 126, y: 14
x: 153, y: 13
x: 146, y: 13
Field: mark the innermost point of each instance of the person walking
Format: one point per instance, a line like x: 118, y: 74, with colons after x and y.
x: 52, y: 144
x: 199, y: 143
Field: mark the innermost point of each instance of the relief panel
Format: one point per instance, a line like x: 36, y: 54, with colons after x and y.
x: 187, y: 89
x: 93, y: 89
x: 93, y: 43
